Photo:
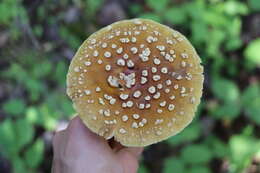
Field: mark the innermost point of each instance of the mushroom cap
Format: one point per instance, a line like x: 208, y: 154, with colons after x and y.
x: 137, y: 81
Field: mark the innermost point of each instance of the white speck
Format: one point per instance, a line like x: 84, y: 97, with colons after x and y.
x: 108, y: 67
x: 192, y: 99
x: 113, y: 46
x: 154, y: 69
x: 159, y: 86
x: 101, y: 101
x: 123, y: 96
x: 145, y: 72
x: 137, y: 94
x: 163, y: 103
x: 146, y: 52
x: 183, y: 63
x: 112, y: 101
x: 120, y: 62
x: 157, y: 95
x: 156, y: 61
x: 156, y: 77
x: 136, y: 116
x: 168, y: 82
x: 87, y: 92
x: 148, y: 105
x: 158, y: 133
x: 134, y: 50
x: 171, y: 107
x: 141, y: 106
x: 137, y: 22
x: 172, y: 97
x: 113, y: 81
x: 167, y: 90
x: 159, y: 111
x: 125, y: 56
x: 95, y: 53
x: 184, y: 55
x: 143, y: 80
x: 129, y: 103
x: 93, y: 41
x: 99, y: 61
x: 164, y: 70
x: 76, y: 69
x: 179, y: 77
x: 130, y: 64
x: 183, y: 89
x: 104, y: 45
x: 87, y: 63
x: 124, y: 118
x: 133, y: 40
x: 151, y: 89
x: 122, y: 131
x: 147, y: 98
x: 107, y: 54
x: 176, y: 86
x: 98, y: 89
x: 119, y: 50
x: 94, y: 118
x: 160, y: 47
x: 134, y: 125
x: 107, y: 113
x: 172, y: 52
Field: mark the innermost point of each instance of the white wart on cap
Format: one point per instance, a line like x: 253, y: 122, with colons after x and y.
x: 137, y: 81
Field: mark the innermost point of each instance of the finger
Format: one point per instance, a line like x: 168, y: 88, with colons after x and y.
x: 129, y: 158
x: 135, y: 151
x: 83, y: 137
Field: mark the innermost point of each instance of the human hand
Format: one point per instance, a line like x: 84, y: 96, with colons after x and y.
x: 78, y: 150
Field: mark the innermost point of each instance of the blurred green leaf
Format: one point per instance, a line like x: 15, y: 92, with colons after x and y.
x: 189, y: 134
x: 173, y: 165
x: 14, y: 106
x: 254, y: 4
x: 251, y: 102
x: 8, y: 138
x: 156, y: 5
x: 233, y: 7
x: 251, y: 52
x: 196, y: 153
x: 19, y: 165
x: 199, y: 169
x: 34, y: 155
x: 229, y: 110
x: 24, y: 133
x: 31, y: 115
x: 175, y: 15
x: 142, y: 169
x: 151, y: 16
x: 92, y: 6
x: 225, y: 90
x: 242, y: 149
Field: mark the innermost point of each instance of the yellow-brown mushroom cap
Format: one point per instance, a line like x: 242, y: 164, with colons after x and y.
x: 137, y: 81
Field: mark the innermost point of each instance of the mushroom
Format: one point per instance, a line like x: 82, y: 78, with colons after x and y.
x: 137, y: 81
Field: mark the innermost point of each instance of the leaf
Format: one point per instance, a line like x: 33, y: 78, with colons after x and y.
x: 225, y: 90
x: 189, y: 134
x: 34, y: 155
x: 173, y: 165
x: 199, y: 169
x: 151, y: 16
x: 19, y: 165
x: 251, y: 52
x: 157, y: 5
x: 175, y: 15
x: 142, y: 169
x: 196, y: 153
x: 8, y: 138
x: 14, y: 106
x: 254, y: 4
x: 24, y: 133
x: 251, y: 102
x: 229, y: 110
x: 242, y: 150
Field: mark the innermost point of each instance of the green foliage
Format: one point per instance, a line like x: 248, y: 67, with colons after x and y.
x: 14, y: 106
x: 225, y: 90
x: 251, y: 53
x: 196, y: 154
x: 173, y: 165
x: 34, y: 155
x: 158, y: 6
x: 251, y: 102
x: 254, y: 4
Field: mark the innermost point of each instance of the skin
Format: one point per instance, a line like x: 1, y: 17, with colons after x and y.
x: 77, y: 149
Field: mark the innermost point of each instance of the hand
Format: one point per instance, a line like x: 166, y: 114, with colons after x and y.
x: 78, y: 150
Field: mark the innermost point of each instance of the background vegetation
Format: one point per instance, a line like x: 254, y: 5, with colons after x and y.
x: 39, y: 37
